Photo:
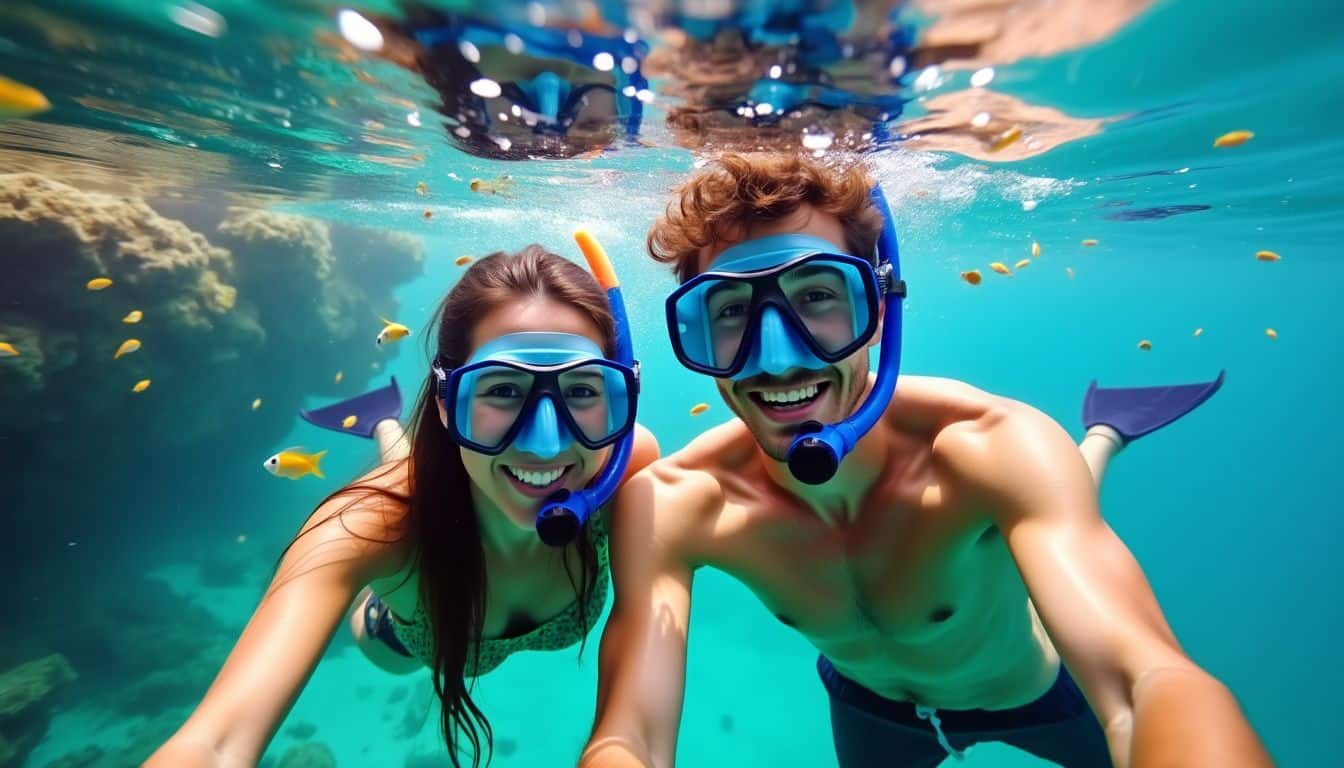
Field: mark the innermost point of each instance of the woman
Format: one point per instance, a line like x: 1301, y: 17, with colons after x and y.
x: 445, y: 539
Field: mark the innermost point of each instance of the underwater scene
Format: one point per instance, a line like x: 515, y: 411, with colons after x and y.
x: 246, y: 246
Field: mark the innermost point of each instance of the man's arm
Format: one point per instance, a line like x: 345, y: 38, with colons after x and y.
x: 642, y: 665
x: 1158, y: 707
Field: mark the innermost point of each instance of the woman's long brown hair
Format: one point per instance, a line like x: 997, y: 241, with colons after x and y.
x: 438, y: 508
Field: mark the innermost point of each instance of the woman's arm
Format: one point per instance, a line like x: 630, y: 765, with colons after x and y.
x: 329, y: 562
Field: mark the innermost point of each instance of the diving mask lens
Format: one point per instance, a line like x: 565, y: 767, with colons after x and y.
x: 495, y: 401
x: 829, y: 299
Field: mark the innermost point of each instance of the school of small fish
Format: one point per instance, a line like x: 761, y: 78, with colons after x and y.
x: 18, y: 100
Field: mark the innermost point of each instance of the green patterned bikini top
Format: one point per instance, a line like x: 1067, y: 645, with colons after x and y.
x: 561, y: 631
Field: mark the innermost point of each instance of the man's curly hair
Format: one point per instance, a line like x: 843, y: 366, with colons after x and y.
x: 721, y: 202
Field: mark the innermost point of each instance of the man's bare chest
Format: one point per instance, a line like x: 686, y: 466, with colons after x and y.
x: 898, y: 577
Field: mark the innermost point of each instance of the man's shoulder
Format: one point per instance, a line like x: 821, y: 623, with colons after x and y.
x: 678, y: 496
x: 984, y: 439
x: 933, y: 405
x: 943, y: 392
x: 719, y: 450
x: 686, y: 480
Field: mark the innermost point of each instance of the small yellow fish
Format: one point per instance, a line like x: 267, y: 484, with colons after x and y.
x: 141, y: 385
x: 1199, y: 331
x: 349, y: 421
x: 1035, y: 250
x: 294, y: 463
x: 1233, y: 139
x: 1145, y: 345
x: 340, y: 376
x: 133, y: 317
x: 391, y: 332
x: 1089, y: 242
x: 1022, y: 263
x: 1007, y: 138
x: 8, y: 350
x: 18, y: 100
x: 98, y: 283
x: 971, y: 276
x: 1001, y: 268
x: 1267, y: 256
x: 256, y: 404
x: 1070, y: 271
x: 422, y: 189
x: 428, y: 214
x: 699, y: 408
x: 127, y: 347
x: 1271, y: 333
x: 462, y: 261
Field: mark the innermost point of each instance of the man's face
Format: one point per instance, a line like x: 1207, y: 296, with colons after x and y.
x: 773, y: 407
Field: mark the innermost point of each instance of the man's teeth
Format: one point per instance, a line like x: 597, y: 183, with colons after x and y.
x: 537, y: 479
x: 792, y: 396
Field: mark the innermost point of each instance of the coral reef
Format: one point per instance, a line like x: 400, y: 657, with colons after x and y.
x: 221, y: 326
x: 26, y: 693
x: 237, y: 304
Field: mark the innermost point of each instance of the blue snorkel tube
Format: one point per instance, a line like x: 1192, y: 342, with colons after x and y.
x: 816, y: 453
x: 564, y: 513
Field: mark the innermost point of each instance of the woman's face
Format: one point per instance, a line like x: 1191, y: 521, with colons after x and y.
x: 501, y: 478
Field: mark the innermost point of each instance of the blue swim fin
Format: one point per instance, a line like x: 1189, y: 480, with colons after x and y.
x: 368, y: 409
x: 1136, y: 411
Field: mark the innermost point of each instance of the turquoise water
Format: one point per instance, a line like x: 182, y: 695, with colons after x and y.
x: 1230, y: 512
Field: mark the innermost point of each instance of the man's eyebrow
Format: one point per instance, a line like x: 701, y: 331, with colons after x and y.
x: 718, y: 288
x: 813, y: 270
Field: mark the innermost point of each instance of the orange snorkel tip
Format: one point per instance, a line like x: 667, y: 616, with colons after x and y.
x: 598, y: 263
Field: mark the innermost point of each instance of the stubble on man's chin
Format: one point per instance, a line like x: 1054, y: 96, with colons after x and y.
x: 767, y: 437
x: 774, y: 441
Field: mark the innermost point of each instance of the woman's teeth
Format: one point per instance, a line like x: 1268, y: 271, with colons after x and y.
x: 536, y: 479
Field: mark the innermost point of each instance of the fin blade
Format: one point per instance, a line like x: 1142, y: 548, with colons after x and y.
x: 1136, y: 411
x: 369, y: 409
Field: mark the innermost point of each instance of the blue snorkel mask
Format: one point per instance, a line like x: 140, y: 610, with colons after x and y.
x: 784, y: 302
x: 519, y: 80
x: 544, y: 392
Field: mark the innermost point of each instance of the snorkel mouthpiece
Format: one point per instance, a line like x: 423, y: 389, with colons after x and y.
x: 815, y: 454
x: 812, y: 459
x: 560, y: 519
x: 564, y: 513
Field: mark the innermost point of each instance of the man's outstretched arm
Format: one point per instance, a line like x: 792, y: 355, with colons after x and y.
x: 1158, y: 707
x: 642, y: 666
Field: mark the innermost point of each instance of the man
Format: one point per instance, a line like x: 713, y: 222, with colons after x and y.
x: 941, y: 546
